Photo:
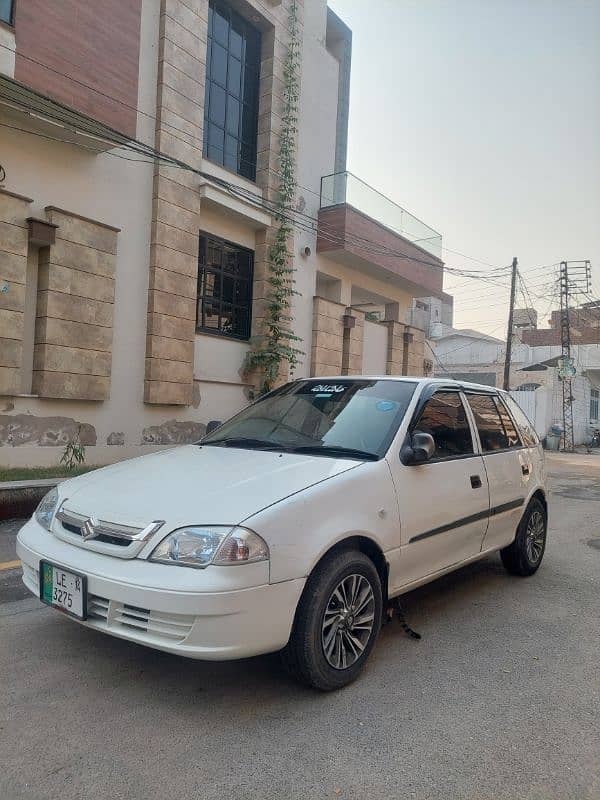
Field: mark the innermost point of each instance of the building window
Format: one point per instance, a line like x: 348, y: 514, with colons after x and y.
x: 224, y: 288
x: 594, y: 405
x: 232, y: 83
x: 7, y: 9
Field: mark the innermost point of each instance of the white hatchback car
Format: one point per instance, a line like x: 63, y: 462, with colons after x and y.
x: 293, y: 525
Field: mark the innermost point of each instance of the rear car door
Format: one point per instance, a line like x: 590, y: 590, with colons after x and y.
x: 507, y: 465
x: 444, y: 502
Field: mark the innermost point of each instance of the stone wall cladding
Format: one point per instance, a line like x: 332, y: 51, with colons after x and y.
x: 176, y: 218
x: 416, y: 352
x: 13, y: 270
x: 327, y: 338
x: 73, y: 328
x: 405, y: 358
x: 172, y: 287
x: 352, y: 357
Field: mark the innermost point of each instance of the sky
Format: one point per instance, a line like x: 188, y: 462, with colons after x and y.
x: 482, y: 117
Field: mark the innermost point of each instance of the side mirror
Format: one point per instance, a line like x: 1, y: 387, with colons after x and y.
x: 419, y: 450
x: 212, y: 426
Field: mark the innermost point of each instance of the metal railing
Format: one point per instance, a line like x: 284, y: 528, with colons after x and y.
x: 345, y: 188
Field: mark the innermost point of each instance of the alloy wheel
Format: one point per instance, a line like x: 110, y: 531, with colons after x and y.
x: 348, y: 621
x: 535, y: 537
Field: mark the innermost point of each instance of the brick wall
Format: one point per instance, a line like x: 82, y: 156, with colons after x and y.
x: 547, y: 337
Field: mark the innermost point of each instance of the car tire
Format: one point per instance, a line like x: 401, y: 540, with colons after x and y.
x: 312, y: 656
x: 524, y: 555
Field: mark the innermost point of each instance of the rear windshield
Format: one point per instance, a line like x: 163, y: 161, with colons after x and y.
x: 361, y: 415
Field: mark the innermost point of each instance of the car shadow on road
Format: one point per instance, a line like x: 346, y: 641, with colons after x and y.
x: 117, y: 664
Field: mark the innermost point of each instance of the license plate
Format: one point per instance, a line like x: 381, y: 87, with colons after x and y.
x: 63, y: 590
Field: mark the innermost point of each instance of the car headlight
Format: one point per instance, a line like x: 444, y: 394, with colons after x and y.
x: 199, y: 546
x: 45, y: 510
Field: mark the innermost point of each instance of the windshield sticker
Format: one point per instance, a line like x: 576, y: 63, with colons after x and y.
x: 386, y: 405
x: 326, y: 389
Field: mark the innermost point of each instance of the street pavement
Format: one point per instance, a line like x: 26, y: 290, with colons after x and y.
x: 500, y: 698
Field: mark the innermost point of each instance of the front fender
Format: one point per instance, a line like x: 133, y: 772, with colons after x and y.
x: 301, y: 529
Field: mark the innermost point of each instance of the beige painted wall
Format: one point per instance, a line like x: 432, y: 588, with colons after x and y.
x: 375, y: 347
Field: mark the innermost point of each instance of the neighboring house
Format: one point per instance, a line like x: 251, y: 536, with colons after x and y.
x: 434, y: 315
x: 131, y: 288
x: 471, y: 355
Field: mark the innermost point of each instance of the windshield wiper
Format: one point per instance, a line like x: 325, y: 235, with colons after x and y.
x: 335, y: 450
x: 240, y: 441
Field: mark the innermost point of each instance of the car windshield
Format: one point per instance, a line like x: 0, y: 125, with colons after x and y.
x: 348, y: 418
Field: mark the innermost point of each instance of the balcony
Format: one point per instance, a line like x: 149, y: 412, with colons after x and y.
x: 362, y: 228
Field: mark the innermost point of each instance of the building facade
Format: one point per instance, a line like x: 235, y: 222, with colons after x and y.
x: 141, y: 160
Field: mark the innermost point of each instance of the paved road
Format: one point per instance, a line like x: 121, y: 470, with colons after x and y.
x: 499, y: 700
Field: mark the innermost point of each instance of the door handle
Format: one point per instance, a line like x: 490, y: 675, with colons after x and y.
x: 475, y: 481
x: 525, y: 469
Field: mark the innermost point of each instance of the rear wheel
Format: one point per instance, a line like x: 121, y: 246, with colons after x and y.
x: 337, y: 622
x: 524, y: 555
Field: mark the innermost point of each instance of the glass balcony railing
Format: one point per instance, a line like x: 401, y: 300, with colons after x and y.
x: 344, y: 187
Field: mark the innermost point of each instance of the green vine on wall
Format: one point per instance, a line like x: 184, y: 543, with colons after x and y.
x: 276, y: 346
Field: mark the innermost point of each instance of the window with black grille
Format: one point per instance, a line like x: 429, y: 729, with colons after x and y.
x: 232, y: 84
x: 224, y: 288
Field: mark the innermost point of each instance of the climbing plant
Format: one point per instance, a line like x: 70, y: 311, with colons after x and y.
x: 276, y: 345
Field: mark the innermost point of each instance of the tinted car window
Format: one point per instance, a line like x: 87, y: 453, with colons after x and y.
x: 526, y: 429
x: 444, y: 417
x: 492, y: 431
x: 360, y: 414
x: 507, y: 423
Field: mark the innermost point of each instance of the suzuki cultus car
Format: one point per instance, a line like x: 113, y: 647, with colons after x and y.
x: 293, y: 525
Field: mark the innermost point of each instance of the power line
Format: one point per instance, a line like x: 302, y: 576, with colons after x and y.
x: 147, y: 151
x: 438, y: 360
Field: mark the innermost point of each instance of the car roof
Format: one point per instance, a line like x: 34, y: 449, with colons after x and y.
x: 441, y: 382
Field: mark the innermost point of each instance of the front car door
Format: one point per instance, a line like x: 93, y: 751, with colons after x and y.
x: 507, y: 465
x: 443, y: 503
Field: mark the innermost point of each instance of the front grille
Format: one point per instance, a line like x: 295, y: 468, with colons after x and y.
x: 97, y: 607
x: 143, y: 621
x: 90, y: 531
x: 103, y: 537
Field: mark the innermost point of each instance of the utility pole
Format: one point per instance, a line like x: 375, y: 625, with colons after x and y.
x: 509, y: 336
x: 575, y: 277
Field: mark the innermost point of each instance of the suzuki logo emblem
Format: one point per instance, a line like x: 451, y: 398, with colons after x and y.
x: 88, y: 529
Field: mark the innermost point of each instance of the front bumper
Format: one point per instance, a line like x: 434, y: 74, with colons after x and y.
x: 211, y: 625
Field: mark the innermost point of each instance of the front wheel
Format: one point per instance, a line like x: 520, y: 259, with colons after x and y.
x: 524, y: 555
x: 337, y: 622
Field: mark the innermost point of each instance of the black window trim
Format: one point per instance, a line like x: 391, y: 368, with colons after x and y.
x: 497, y: 396
x: 430, y: 389
x: 226, y: 8
x: 425, y: 397
x: 204, y: 331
